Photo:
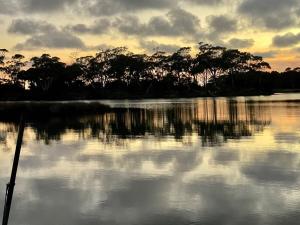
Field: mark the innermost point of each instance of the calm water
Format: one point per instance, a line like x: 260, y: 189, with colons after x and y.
x: 197, y: 161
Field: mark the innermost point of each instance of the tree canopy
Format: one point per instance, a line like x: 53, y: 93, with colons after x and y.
x: 212, y: 70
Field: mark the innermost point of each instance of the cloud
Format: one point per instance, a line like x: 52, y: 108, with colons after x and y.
x: 222, y: 24
x: 130, y: 25
x: 7, y: 7
x: 99, y: 47
x: 152, y: 46
x: 99, y: 27
x: 43, y: 35
x: 177, y: 22
x: 286, y: 40
x: 54, y: 39
x: 184, y: 21
x: 240, y: 43
x: 206, y: 2
x: 109, y: 7
x: 272, y: 14
x: 268, y: 54
x: 44, y: 5
x: 26, y: 26
x: 297, y: 50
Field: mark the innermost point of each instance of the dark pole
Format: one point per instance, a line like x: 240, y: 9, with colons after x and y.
x: 11, y: 185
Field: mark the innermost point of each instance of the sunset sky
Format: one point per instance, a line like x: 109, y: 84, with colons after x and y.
x: 270, y: 28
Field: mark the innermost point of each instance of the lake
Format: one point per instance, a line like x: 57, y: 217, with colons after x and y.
x: 161, y: 162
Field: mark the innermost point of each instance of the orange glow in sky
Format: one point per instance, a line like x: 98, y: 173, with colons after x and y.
x: 269, y: 28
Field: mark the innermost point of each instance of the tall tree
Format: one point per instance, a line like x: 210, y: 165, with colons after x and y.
x: 14, y: 66
x: 46, y: 72
x: 3, y: 52
x: 210, y: 58
x: 180, y: 63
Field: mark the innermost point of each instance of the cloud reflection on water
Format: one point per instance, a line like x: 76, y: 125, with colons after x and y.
x: 193, y: 163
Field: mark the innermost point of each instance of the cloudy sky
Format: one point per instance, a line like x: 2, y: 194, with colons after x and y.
x: 270, y: 28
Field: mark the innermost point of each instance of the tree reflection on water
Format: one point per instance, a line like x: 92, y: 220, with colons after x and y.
x: 214, y: 121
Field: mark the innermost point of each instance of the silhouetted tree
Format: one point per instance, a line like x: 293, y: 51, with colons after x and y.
x: 2, y: 62
x: 13, y: 68
x: 117, y: 72
x: 180, y: 64
x: 211, y: 58
x: 46, y: 72
x: 2, y: 55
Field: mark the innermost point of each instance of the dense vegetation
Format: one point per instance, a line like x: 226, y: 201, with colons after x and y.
x: 118, y: 73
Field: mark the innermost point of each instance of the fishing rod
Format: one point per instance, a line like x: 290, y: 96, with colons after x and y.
x: 11, y: 185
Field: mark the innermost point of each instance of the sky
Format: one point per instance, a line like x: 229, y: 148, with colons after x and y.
x: 72, y: 28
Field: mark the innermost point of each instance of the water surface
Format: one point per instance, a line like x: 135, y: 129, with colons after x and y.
x: 185, y: 161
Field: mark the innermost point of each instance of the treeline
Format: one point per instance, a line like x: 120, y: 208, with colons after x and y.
x: 119, y: 73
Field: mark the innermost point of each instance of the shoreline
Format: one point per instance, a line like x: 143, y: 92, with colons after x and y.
x: 95, y: 101
x: 127, y: 96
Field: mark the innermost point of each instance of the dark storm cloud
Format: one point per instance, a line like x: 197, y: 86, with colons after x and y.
x: 53, y: 39
x: 26, y: 26
x: 176, y: 22
x: 240, y: 43
x: 99, y: 27
x: 272, y: 14
x: 286, y: 40
x: 109, y: 7
x: 222, y: 24
x: 152, y: 46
